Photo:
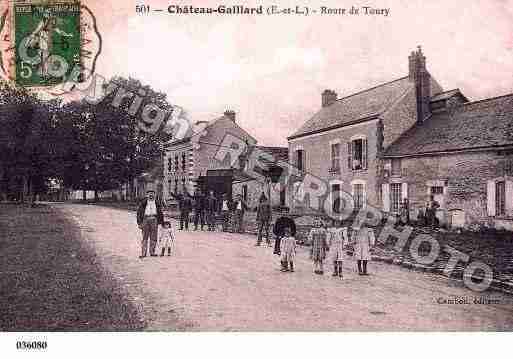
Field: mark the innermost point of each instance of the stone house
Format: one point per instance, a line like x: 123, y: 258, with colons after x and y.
x: 462, y: 155
x: 409, y: 138
x: 251, y: 189
x: 190, y: 163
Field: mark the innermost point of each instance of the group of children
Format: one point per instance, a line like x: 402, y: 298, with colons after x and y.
x: 325, y: 242
x: 330, y: 242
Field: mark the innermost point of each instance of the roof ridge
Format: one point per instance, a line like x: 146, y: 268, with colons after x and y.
x: 484, y: 100
x: 440, y: 93
x: 370, y: 88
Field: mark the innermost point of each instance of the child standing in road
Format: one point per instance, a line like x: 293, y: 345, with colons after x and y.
x: 319, y: 245
x: 363, y: 240
x: 166, y: 238
x: 337, y: 241
x: 288, y: 250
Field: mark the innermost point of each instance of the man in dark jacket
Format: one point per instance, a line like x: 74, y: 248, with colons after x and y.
x: 185, y: 207
x: 279, y: 231
x: 149, y: 216
x: 238, y: 209
x: 211, y: 209
x: 263, y: 219
x: 199, y: 209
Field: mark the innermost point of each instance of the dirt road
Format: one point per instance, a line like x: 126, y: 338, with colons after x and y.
x: 221, y: 282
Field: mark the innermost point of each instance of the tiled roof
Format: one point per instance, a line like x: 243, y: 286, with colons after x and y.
x: 473, y: 125
x: 279, y: 153
x: 361, y: 105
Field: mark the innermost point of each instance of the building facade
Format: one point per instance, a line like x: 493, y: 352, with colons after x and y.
x: 188, y: 162
x: 408, y: 139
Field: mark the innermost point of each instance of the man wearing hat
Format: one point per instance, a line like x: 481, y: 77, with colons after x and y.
x: 149, y: 216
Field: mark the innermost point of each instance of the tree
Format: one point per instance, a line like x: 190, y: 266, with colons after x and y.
x: 26, y: 134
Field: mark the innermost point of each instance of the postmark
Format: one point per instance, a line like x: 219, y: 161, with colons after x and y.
x: 44, y: 42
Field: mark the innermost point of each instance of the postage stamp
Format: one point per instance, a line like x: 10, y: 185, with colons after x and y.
x: 47, y: 40
x: 42, y: 42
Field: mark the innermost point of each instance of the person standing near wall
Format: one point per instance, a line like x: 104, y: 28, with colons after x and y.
x: 225, y: 211
x: 211, y: 209
x: 263, y: 219
x: 199, y: 209
x: 239, y: 207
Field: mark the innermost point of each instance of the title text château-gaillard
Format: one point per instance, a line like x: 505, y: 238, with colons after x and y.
x: 221, y: 9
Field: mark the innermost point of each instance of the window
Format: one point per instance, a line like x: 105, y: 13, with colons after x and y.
x: 396, y: 167
x: 183, y: 162
x: 183, y: 184
x: 335, y: 197
x: 358, y: 196
x: 300, y: 160
x: 335, y: 157
x: 245, y: 192
x: 357, y: 154
x: 169, y: 164
x: 282, y: 197
x: 437, y: 190
x: 395, y: 197
x: 500, y: 198
x: 176, y: 186
x: 176, y: 163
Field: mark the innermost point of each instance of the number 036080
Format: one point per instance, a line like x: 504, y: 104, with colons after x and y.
x: 34, y: 345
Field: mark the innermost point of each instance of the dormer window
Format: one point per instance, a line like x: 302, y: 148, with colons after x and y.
x: 357, y: 154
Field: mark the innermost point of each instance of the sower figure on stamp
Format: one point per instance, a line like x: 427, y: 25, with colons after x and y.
x: 149, y: 216
x: 363, y: 239
x: 263, y: 219
x: 42, y: 38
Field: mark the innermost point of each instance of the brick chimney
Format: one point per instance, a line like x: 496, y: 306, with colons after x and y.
x: 230, y: 114
x: 328, y: 97
x: 419, y: 75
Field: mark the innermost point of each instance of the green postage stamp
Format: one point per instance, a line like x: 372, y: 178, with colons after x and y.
x: 47, y: 41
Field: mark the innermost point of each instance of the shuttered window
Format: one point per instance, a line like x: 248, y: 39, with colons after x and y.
x: 335, y: 197
x: 300, y: 160
x: 335, y: 156
x: 500, y: 198
x: 169, y: 164
x: 395, y: 196
x: 357, y: 154
x: 396, y: 167
x: 358, y: 196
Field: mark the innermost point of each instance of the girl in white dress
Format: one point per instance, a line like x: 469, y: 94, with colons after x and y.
x: 337, y: 240
x: 363, y: 239
x: 288, y: 250
x: 166, y: 238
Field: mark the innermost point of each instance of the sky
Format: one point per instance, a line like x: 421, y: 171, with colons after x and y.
x: 271, y: 70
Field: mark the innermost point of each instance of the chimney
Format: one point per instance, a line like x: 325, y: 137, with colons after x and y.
x: 230, y: 114
x: 328, y: 97
x: 421, y: 78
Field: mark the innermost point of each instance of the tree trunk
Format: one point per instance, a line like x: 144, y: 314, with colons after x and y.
x: 84, y: 195
x: 95, y: 195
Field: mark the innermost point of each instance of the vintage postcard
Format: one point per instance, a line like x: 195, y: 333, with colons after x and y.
x: 260, y: 166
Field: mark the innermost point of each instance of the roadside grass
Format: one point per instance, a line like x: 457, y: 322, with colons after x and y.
x: 51, y: 281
